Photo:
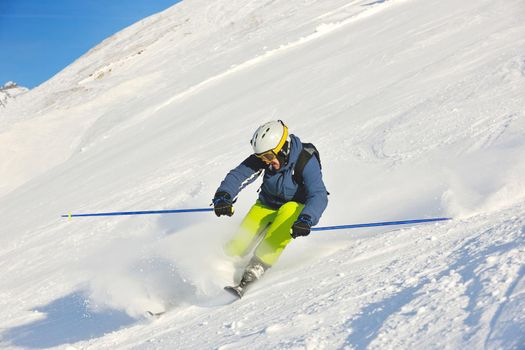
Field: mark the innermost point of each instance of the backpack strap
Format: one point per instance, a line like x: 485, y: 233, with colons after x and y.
x: 307, y: 152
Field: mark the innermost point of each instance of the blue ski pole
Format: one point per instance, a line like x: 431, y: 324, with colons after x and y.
x: 374, y: 224
x: 145, y: 212
x: 194, y: 210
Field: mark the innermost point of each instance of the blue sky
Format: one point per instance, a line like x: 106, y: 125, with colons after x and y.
x: 38, y: 38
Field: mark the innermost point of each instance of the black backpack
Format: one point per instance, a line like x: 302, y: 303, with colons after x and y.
x: 308, y: 151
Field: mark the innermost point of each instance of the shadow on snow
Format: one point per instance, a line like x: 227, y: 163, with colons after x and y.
x: 367, y: 326
x: 68, y: 320
x: 470, y: 256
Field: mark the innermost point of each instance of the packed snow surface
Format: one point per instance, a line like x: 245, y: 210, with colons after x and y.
x: 417, y: 108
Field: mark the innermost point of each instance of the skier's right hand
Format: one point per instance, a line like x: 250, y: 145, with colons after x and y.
x: 222, y: 204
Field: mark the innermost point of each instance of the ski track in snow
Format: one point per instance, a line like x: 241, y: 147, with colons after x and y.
x: 320, y: 31
x: 417, y: 108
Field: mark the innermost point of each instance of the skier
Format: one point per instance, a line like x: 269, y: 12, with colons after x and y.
x: 291, y: 200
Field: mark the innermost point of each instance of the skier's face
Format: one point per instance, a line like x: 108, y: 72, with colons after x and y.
x: 274, y: 163
x: 270, y: 158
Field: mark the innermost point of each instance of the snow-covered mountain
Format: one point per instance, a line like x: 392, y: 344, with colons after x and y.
x: 417, y: 108
x: 9, y: 91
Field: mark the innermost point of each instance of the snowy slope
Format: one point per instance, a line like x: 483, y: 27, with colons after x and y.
x: 9, y: 91
x: 417, y: 108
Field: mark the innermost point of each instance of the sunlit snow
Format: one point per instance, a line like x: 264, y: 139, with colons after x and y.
x: 417, y: 108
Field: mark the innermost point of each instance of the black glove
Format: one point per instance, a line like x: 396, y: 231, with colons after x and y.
x: 301, y: 227
x: 222, y: 204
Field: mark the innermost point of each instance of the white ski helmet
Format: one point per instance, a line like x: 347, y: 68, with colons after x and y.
x: 269, y: 137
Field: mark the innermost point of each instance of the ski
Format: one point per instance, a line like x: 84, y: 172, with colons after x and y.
x: 238, y: 291
x: 234, y: 293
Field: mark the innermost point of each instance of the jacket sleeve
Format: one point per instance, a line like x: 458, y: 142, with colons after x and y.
x: 243, y: 175
x: 316, y: 194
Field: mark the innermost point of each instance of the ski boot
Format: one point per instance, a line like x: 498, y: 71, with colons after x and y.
x: 252, y: 273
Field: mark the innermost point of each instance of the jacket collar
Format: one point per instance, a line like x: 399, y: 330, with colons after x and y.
x: 295, y: 149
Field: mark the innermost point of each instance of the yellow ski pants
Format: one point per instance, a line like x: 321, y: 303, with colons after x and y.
x: 277, y: 224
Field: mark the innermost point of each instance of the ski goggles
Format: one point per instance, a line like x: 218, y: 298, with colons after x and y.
x: 267, y: 156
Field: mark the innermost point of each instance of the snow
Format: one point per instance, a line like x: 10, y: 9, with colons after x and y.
x: 9, y: 91
x: 417, y: 108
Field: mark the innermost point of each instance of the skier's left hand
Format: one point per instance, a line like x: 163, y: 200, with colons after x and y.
x: 222, y: 204
x: 301, y: 227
